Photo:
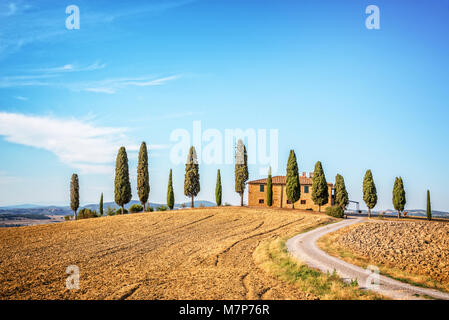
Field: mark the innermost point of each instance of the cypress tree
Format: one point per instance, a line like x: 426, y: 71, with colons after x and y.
x: 101, y: 205
x: 74, y: 194
x: 293, y: 188
x: 122, y: 190
x: 241, y: 169
x: 269, y: 189
x: 192, y: 176
x: 320, y: 191
x: 341, y: 195
x: 143, y: 183
x: 429, y: 208
x: 369, y: 192
x: 399, y: 196
x: 170, y: 193
x: 218, y: 189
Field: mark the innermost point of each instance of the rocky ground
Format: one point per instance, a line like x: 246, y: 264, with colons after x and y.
x: 416, y: 247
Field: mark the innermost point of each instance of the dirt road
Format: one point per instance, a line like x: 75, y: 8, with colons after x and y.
x: 304, y: 248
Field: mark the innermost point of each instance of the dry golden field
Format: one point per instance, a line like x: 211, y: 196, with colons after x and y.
x: 412, y: 251
x: 204, y: 253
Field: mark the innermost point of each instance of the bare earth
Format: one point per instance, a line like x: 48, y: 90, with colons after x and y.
x: 413, y: 247
x: 202, y: 253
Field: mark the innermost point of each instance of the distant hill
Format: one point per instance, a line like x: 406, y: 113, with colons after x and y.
x: 66, y: 210
x: 412, y: 212
x: 21, y: 206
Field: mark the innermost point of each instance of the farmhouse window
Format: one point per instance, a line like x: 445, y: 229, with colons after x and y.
x: 303, y: 201
x: 261, y: 201
x: 306, y: 189
x: 261, y: 188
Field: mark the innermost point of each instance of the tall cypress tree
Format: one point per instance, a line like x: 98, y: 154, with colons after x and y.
x: 218, y: 189
x: 320, y: 191
x: 293, y: 188
x: 101, y: 205
x: 269, y: 189
x: 122, y: 190
x: 341, y: 195
x: 192, y: 176
x: 429, y: 208
x: 241, y: 169
x: 143, y: 182
x: 399, y: 196
x: 74, y: 194
x: 170, y: 193
x: 369, y: 191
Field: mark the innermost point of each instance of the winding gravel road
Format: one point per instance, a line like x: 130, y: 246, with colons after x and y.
x: 304, y: 248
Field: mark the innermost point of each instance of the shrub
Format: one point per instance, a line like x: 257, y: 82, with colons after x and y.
x: 183, y: 205
x: 67, y: 218
x: 227, y: 204
x: 136, y: 208
x: 162, y: 208
x: 149, y: 209
x: 110, y: 211
x: 119, y: 211
x: 86, y: 214
x: 335, y: 211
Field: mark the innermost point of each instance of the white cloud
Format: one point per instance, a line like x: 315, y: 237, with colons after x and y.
x: 24, y: 24
x: 158, y: 146
x: 72, y: 68
x: 80, y: 145
x: 100, y: 90
x: 21, y: 98
x: 111, y: 86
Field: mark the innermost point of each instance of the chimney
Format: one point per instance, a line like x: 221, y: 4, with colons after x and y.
x: 304, y: 174
x: 310, y: 174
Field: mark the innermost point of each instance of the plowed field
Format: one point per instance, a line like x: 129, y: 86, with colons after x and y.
x: 204, y: 253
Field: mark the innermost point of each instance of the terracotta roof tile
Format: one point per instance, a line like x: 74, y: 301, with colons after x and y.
x: 282, y: 180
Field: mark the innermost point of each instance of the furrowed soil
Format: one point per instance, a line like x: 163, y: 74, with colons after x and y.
x: 412, y: 251
x: 204, y: 253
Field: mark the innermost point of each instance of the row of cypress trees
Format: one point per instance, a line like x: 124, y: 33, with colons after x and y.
x: 320, y: 193
x: 399, y: 198
x: 122, y: 185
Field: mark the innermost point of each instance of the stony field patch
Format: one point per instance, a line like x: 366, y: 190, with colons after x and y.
x: 414, y: 251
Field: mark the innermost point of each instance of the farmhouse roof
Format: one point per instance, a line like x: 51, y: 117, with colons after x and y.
x: 283, y: 180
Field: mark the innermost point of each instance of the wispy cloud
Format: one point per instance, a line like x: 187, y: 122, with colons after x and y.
x: 80, y: 145
x: 24, y: 23
x: 72, y: 68
x: 100, y: 90
x: 176, y: 115
x: 21, y: 98
x: 111, y: 86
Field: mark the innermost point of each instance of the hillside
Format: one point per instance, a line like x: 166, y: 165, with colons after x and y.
x: 189, y: 254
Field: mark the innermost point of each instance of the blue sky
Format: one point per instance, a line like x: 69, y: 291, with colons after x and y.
x: 353, y: 98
